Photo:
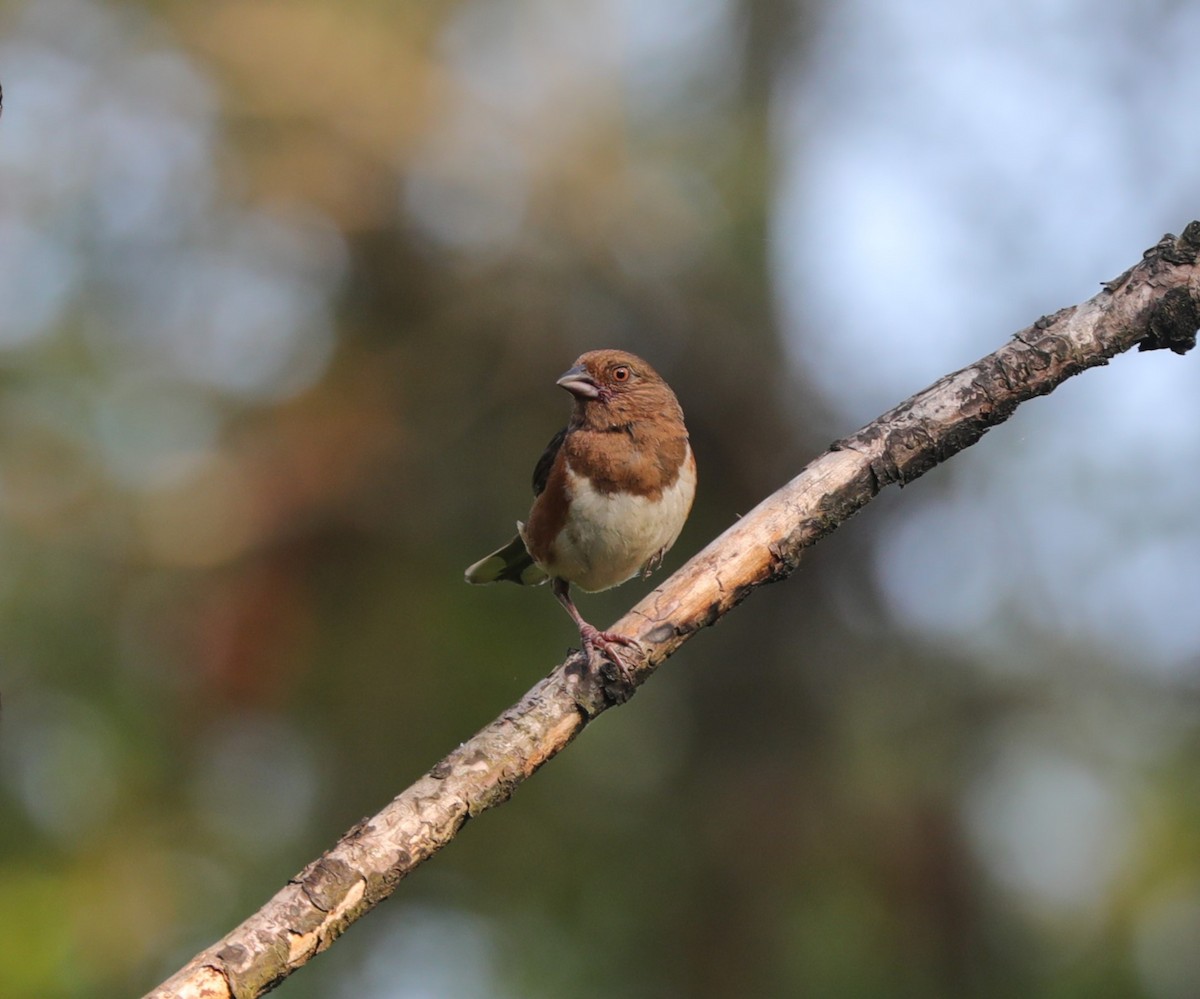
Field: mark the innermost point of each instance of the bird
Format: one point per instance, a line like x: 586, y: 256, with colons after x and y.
x: 612, y: 491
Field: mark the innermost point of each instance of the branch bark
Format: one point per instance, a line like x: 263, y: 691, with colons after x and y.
x: 1153, y: 305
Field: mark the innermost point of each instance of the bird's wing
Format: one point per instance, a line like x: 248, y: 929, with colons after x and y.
x: 513, y: 562
x: 541, y: 471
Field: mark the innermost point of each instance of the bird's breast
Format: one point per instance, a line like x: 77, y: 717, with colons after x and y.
x: 609, y: 535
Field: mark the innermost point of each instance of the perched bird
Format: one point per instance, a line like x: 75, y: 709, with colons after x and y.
x: 611, y: 491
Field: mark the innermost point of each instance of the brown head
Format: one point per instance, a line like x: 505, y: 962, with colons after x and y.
x: 613, y: 389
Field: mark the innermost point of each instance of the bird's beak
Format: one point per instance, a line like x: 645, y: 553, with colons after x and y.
x: 579, y: 383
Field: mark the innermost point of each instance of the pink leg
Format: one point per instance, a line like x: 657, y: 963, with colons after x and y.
x: 605, y: 642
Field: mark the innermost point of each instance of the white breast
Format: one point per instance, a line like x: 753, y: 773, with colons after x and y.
x: 608, y: 538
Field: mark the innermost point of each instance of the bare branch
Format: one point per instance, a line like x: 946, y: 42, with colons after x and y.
x: 1155, y: 304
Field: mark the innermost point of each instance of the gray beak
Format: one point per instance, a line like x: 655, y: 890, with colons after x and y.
x: 579, y: 383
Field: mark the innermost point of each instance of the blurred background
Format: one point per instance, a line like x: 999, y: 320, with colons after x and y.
x: 284, y: 289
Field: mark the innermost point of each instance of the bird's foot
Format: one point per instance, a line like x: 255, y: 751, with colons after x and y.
x: 609, y: 645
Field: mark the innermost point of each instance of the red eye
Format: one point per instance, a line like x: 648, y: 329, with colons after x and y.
x: 620, y: 374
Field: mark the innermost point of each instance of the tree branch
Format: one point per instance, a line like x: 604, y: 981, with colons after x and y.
x: 1155, y: 304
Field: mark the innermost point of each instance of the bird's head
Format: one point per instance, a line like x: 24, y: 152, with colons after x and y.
x: 617, y: 388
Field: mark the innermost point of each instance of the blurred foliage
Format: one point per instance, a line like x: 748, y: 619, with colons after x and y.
x: 284, y: 288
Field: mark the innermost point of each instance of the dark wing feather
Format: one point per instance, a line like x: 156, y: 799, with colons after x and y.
x: 541, y: 471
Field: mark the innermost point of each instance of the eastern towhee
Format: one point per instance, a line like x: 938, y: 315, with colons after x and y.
x: 611, y: 491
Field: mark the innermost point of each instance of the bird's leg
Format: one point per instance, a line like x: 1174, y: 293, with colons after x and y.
x: 653, y: 562
x: 591, y: 636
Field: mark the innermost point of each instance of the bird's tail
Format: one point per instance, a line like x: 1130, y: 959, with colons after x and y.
x: 512, y: 562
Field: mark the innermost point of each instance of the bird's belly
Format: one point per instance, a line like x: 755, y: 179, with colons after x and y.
x: 609, y: 537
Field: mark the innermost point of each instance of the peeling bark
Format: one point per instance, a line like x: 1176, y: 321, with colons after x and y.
x: 1153, y: 305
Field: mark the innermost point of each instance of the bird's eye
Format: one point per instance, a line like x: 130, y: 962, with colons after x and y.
x: 620, y: 374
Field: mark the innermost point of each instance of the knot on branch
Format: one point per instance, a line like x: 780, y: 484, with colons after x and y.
x: 881, y: 463
x: 784, y: 558
x: 326, y: 882
x: 595, y: 691
x: 1174, y: 320
x: 1181, y: 249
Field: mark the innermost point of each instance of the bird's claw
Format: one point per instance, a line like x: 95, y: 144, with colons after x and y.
x: 607, y: 643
